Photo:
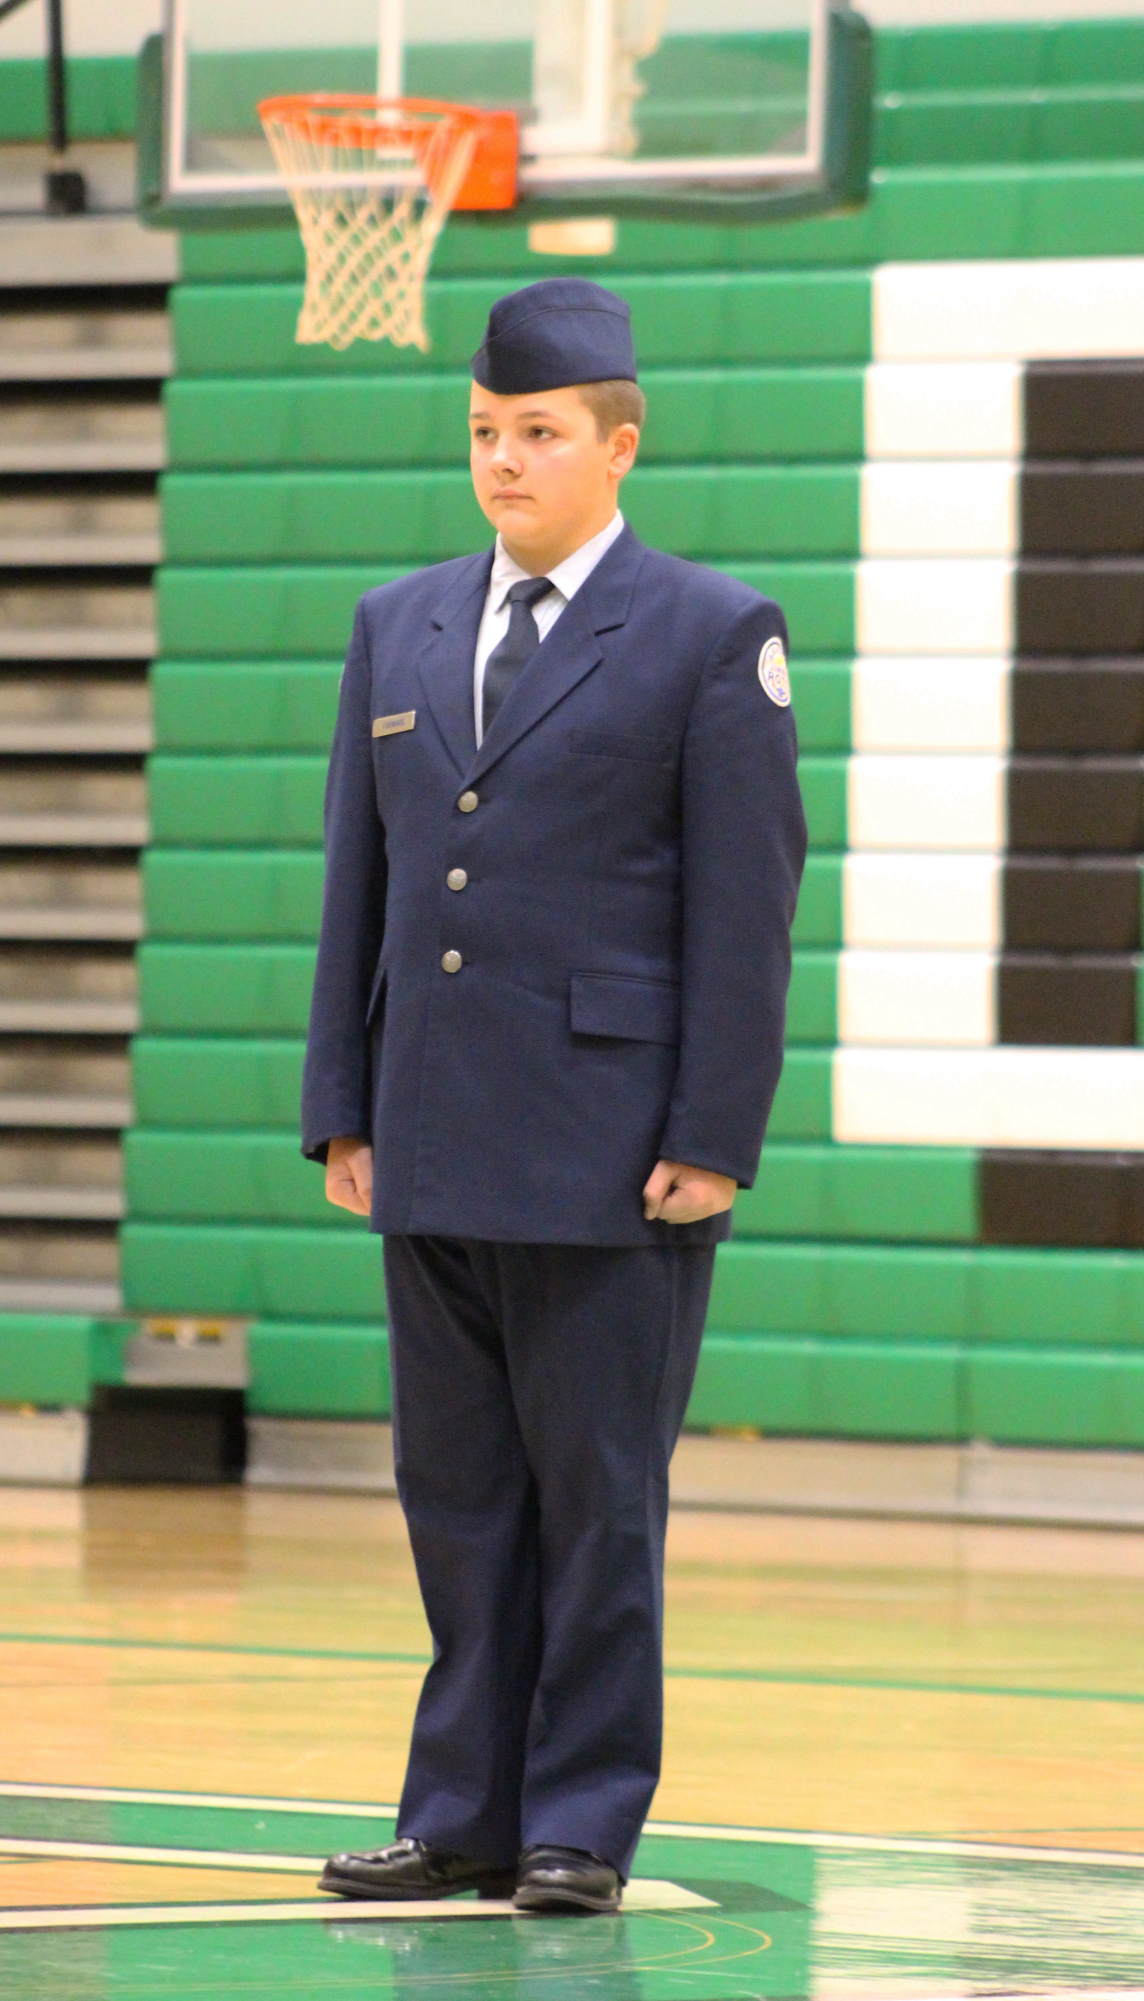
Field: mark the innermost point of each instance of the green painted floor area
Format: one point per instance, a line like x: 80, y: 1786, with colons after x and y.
x: 781, y: 1916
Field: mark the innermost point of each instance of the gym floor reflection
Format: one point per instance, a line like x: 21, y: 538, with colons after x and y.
x: 902, y: 1760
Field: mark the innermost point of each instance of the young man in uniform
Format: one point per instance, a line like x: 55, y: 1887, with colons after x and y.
x: 564, y: 841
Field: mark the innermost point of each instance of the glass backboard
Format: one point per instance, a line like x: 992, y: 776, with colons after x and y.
x: 621, y: 103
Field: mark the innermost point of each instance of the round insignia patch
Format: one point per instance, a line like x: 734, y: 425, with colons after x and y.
x: 773, y: 673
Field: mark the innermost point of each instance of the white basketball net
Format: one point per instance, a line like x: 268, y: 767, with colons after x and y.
x: 372, y: 187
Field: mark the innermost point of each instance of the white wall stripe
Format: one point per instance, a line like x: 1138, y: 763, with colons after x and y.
x: 920, y: 702
x: 951, y: 803
x: 910, y: 900
x: 999, y: 310
x: 935, y: 627
x: 930, y: 698
x: 939, y: 1000
x: 1082, y: 1099
x: 934, y: 507
x: 945, y: 410
x: 914, y: 606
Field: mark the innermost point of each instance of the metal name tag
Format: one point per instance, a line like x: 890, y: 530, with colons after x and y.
x: 393, y: 725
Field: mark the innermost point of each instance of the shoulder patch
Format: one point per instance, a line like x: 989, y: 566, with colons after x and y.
x: 773, y: 673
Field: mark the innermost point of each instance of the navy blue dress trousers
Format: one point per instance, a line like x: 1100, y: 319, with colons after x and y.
x: 538, y: 1391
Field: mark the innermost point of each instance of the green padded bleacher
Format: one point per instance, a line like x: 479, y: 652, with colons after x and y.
x: 251, y: 801
x: 212, y: 893
x: 100, y: 98
x: 316, y: 1370
x: 254, y: 988
x: 201, y: 611
x: 245, y: 705
x: 911, y: 1193
x: 274, y: 800
x: 45, y: 1358
x: 284, y: 1270
x: 771, y: 413
x: 198, y: 1081
x: 426, y: 515
x: 717, y: 318
x: 263, y: 705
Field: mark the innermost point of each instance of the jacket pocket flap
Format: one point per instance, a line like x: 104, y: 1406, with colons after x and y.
x: 636, y: 1010
x: 619, y: 743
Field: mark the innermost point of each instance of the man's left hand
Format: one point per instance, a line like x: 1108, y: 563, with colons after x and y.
x: 674, y: 1193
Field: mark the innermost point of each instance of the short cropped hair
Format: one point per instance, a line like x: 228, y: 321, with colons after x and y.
x: 613, y: 403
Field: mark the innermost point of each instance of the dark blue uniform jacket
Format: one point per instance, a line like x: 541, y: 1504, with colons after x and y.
x: 632, y: 865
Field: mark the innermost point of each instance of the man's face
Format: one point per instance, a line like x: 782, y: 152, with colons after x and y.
x: 541, y: 474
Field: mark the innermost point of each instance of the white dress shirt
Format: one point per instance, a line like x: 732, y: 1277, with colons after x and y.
x: 566, y: 579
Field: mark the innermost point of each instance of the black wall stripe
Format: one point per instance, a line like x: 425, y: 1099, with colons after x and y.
x: 1091, y: 507
x: 1057, y: 904
x: 1088, y: 1199
x: 1080, y: 607
x: 1084, y: 409
x: 1072, y: 878
x: 1076, y: 805
x: 1066, y: 998
x: 1078, y: 705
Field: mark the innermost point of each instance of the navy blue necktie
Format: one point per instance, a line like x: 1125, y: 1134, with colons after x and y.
x: 516, y: 649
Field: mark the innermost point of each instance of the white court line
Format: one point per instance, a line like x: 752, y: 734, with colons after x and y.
x: 640, y: 1895
x: 683, y: 1830
x: 99, y: 1917
x: 890, y: 1844
x: 178, y: 1858
x: 239, y: 1802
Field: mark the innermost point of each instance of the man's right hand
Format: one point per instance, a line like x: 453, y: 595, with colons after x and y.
x: 349, y: 1174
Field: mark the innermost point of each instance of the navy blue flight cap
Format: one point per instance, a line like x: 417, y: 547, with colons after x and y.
x: 554, y: 335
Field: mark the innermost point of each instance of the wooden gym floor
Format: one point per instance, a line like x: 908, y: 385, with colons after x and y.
x: 903, y: 1761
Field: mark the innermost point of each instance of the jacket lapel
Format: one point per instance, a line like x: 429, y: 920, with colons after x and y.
x: 570, y: 651
x: 445, y: 663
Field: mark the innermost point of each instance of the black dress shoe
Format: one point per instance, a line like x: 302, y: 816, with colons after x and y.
x: 412, y: 1870
x: 565, y: 1879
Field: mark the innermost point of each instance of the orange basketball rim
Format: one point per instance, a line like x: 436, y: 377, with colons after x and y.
x: 372, y: 181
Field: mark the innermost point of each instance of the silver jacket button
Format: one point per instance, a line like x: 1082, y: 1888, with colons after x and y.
x: 468, y: 802
x: 456, y: 878
x: 452, y: 962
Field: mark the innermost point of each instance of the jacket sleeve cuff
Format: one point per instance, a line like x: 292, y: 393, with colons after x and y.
x: 318, y: 1149
x: 712, y: 1159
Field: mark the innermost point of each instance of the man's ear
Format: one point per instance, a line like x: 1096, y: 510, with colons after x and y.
x: 625, y: 444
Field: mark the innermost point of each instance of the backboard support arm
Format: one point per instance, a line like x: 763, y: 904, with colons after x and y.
x: 390, y: 48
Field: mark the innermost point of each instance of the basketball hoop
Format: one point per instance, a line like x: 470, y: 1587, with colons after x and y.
x: 373, y: 181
